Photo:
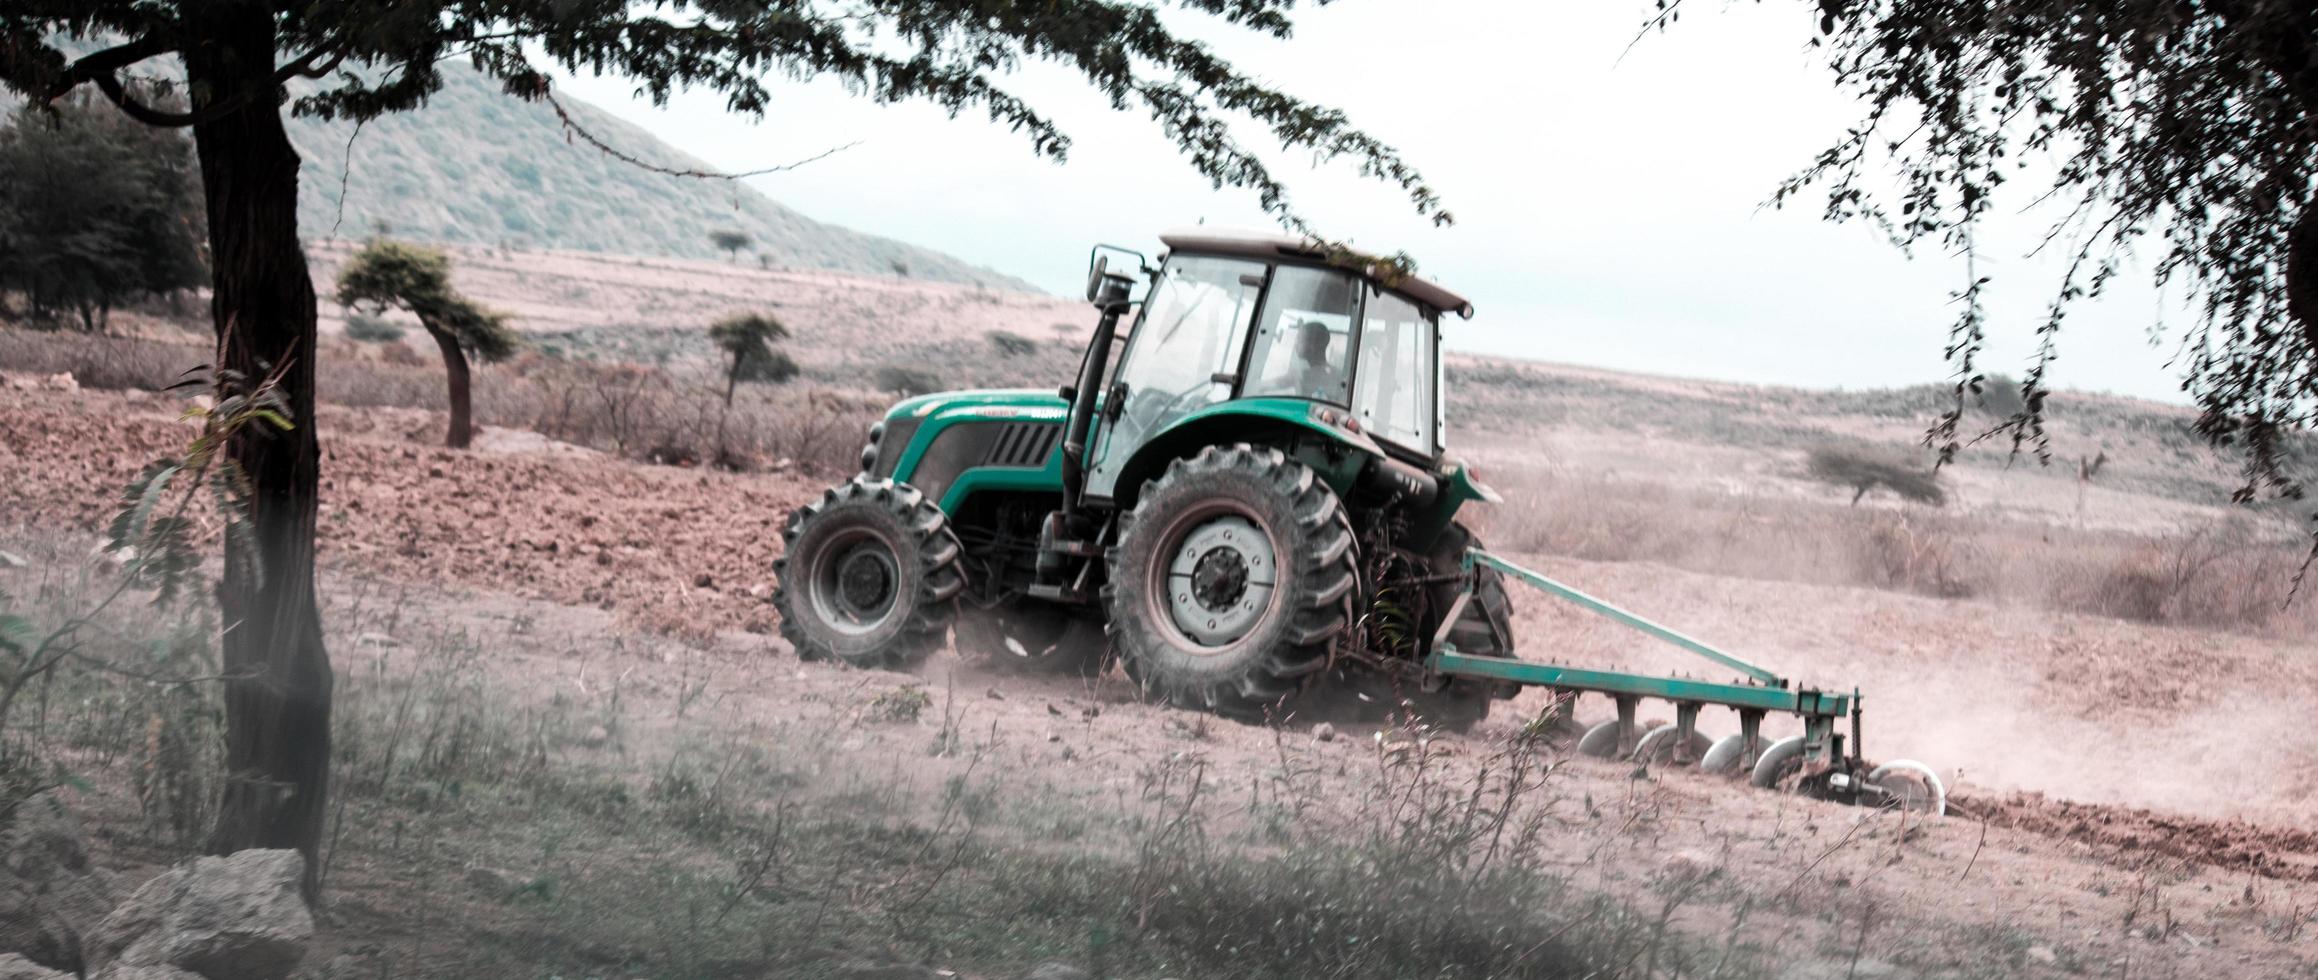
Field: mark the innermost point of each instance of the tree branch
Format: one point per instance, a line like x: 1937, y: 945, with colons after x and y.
x: 573, y: 128
x: 310, y: 65
x: 110, y: 84
x: 106, y: 64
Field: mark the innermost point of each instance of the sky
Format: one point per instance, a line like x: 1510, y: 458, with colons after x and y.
x: 1610, y: 200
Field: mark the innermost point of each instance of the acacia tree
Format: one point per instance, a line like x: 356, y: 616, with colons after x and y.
x: 730, y: 241
x: 747, y: 342
x: 373, y: 57
x: 2189, y: 122
x: 386, y: 273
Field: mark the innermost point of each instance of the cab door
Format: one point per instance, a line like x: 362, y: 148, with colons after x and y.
x: 1180, y: 357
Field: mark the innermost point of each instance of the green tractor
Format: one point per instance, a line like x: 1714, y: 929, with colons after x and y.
x: 1255, y: 514
x: 1245, y: 498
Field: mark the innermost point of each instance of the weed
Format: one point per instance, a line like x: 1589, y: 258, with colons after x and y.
x: 902, y: 704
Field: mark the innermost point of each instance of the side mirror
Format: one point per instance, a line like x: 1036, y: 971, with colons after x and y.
x: 1096, y: 273
x: 1106, y: 287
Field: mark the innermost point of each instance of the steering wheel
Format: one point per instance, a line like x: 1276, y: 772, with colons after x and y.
x: 1143, y: 414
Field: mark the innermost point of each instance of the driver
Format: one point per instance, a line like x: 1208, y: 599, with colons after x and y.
x: 1310, y: 375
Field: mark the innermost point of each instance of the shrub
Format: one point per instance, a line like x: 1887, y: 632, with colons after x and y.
x: 1013, y: 345
x: 906, y: 380
x: 1914, y: 556
x: 2000, y: 396
x: 372, y: 329
x: 2218, y: 574
x: 772, y: 367
x: 1863, y: 470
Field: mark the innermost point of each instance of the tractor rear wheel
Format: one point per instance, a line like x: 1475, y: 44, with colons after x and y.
x: 1485, y: 627
x: 868, y: 576
x: 1232, y: 577
x: 1361, y: 694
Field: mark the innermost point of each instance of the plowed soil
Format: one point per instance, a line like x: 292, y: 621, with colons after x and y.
x: 2010, y: 704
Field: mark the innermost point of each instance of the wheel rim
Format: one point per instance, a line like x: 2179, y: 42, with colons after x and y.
x: 856, y: 582
x: 1216, y: 573
x: 1913, y: 786
x: 1020, y: 636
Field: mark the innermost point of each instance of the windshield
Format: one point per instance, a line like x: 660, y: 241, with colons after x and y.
x: 1193, y: 325
x: 1394, y: 400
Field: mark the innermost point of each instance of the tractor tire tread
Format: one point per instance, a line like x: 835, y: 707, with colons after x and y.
x: 940, y: 577
x: 1328, y: 574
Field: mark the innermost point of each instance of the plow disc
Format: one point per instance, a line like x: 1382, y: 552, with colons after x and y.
x: 1823, y: 762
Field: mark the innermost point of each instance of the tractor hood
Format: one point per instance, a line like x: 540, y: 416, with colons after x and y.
x: 998, y: 403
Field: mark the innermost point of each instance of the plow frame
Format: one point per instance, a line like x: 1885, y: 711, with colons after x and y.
x: 1758, y: 692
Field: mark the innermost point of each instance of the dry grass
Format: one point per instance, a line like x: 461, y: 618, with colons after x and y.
x: 666, y: 414
x: 595, y: 829
x: 2231, y: 573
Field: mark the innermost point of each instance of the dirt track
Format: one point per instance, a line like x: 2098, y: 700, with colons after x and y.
x: 687, y: 554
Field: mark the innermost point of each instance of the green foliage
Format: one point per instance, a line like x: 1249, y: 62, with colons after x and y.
x: 94, y: 210
x: 747, y: 341
x: 162, y: 517
x: 1863, y: 470
x: 772, y: 367
x: 1999, y: 396
x: 952, y: 55
x: 729, y: 241
x: 155, y: 525
x: 2187, y: 122
x: 388, y: 273
x: 371, y: 329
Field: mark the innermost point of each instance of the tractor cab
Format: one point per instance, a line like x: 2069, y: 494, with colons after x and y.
x: 1241, y: 317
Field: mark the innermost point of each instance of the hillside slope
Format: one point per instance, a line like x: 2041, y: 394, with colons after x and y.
x: 477, y: 166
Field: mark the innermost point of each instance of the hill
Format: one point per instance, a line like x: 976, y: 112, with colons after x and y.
x: 479, y: 167
x: 476, y: 166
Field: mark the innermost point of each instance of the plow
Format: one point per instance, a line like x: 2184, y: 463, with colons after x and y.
x: 1245, y: 499
x: 1822, y: 761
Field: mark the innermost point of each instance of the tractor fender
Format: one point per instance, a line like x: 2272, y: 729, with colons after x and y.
x: 1260, y: 421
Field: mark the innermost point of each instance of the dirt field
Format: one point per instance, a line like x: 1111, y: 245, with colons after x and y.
x: 2105, y: 670
x: 2134, y: 800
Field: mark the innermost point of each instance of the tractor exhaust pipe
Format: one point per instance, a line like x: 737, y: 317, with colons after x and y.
x: 1109, y: 293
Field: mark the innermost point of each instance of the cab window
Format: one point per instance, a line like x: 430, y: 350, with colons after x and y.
x: 1394, y: 398
x: 1304, y: 340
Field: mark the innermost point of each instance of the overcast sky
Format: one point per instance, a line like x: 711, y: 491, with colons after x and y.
x: 1609, y: 209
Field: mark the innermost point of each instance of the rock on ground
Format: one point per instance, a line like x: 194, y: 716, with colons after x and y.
x: 121, y: 971
x: 14, y: 967
x: 238, y: 917
x: 51, y: 895
x: 874, y: 970
x: 1057, y: 971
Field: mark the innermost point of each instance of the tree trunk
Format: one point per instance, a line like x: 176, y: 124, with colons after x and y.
x: 277, y: 709
x: 461, y: 388
x: 731, y: 384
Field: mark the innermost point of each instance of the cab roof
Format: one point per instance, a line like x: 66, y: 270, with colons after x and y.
x: 1274, y: 245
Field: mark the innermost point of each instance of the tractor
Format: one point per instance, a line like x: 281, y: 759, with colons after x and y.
x: 1242, y: 496
x: 1245, y: 498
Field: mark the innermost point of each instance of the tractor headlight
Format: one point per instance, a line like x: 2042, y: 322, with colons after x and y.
x: 869, y: 452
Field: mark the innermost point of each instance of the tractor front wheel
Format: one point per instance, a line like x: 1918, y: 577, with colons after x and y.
x: 869, y: 576
x: 1232, y: 577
